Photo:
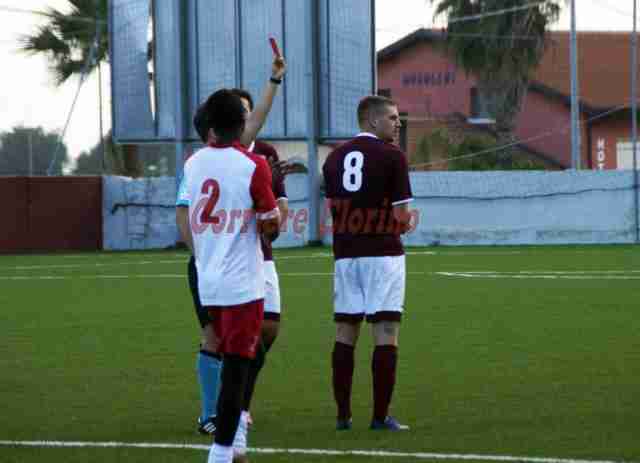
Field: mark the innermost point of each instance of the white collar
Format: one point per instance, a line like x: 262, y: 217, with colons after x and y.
x: 252, y: 146
x: 366, y: 134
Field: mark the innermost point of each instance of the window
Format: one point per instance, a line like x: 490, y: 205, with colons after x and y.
x: 479, y: 108
x: 403, y: 131
x: 624, y: 154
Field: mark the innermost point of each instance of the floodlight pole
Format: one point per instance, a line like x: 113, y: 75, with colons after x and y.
x: 575, y: 109
x: 634, y: 115
x: 182, y: 130
x: 313, y: 122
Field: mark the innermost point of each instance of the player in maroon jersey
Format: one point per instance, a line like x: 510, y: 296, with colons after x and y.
x: 367, y: 186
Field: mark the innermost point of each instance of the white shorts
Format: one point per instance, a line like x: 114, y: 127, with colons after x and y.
x: 271, y: 291
x: 371, y: 286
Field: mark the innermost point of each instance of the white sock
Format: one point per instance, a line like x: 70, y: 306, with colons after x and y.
x: 240, y: 439
x: 220, y: 454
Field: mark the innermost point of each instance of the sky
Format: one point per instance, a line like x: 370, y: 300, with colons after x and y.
x: 29, y: 97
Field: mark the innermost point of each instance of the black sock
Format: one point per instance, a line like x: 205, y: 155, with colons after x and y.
x: 235, y: 370
x: 254, y: 370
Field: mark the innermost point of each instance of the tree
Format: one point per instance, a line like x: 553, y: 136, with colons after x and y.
x: 30, y: 150
x: 92, y: 162
x: 155, y: 160
x: 463, y: 158
x: 69, y: 39
x: 501, y: 50
x: 76, y: 42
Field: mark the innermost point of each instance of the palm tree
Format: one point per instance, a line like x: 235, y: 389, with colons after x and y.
x: 500, y: 42
x: 74, y: 43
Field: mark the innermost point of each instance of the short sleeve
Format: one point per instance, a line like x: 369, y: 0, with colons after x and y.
x: 401, y: 187
x: 264, y: 202
x: 279, y: 189
x: 326, y: 173
x: 183, y: 199
x: 271, y: 154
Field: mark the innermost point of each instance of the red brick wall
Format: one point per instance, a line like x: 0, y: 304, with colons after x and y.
x: 14, y: 225
x: 428, y: 100
x: 51, y: 213
x: 431, y: 93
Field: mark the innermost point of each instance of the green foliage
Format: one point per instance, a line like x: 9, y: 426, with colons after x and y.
x: 150, y: 161
x: 26, y: 150
x: 500, y: 50
x: 422, y: 154
x: 67, y: 38
x: 490, y: 160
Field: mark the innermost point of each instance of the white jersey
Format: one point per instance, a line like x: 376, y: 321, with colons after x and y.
x: 225, y: 188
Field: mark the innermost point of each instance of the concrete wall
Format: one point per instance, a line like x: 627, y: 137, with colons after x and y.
x: 454, y: 208
x: 140, y: 214
x: 493, y: 208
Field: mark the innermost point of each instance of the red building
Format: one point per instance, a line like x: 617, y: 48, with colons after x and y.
x: 432, y: 90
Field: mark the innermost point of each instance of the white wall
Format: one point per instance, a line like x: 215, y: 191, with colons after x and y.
x: 455, y: 208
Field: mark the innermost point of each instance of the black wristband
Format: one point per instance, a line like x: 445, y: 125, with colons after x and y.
x: 276, y: 81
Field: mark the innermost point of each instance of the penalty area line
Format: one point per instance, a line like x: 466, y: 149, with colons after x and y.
x: 321, y: 452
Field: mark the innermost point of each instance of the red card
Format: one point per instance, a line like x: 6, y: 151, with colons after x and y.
x: 274, y: 46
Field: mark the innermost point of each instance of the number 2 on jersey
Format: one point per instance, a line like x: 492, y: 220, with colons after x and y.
x: 352, y: 177
x: 207, y: 213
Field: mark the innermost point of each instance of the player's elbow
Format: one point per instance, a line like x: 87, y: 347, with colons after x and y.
x: 402, y: 217
x: 269, y: 228
x: 401, y: 214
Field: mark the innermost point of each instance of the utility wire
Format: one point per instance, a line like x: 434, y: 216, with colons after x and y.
x: 475, y: 17
x: 90, y: 59
x: 519, y: 142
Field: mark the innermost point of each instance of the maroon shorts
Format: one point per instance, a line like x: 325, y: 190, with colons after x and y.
x: 237, y: 327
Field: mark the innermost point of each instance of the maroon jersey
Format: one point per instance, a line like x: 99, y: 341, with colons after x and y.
x: 270, y: 153
x: 364, y: 179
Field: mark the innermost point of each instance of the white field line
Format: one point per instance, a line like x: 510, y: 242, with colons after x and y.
x: 184, y: 259
x: 98, y: 265
x: 363, y: 453
x: 524, y: 275
x: 541, y: 276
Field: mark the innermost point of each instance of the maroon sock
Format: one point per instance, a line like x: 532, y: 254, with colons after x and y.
x: 343, y: 363
x: 383, y: 367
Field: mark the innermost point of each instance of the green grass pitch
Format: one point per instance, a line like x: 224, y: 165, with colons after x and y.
x: 514, y: 351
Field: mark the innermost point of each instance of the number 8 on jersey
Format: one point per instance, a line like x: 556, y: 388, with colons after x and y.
x: 352, y: 177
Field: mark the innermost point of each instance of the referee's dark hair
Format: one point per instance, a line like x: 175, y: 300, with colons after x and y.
x: 243, y: 94
x: 201, y: 123
x: 225, y: 115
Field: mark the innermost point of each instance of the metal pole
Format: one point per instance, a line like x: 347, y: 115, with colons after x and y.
x: 634, y: 115
x: 182, y: 128
x: 30, y: 141
x: 575, y: 110
x: 102, y: 144
x: 313, y: 122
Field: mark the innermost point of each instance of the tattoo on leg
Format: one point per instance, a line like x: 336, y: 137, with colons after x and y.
x: 389, y: 329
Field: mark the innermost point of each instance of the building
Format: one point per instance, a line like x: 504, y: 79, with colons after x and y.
x: 432, y: 90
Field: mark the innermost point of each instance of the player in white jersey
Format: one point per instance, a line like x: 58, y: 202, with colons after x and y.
x: 209, y: 362
x: 231, y: 205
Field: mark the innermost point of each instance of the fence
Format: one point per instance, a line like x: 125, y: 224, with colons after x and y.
x: 51, y: 213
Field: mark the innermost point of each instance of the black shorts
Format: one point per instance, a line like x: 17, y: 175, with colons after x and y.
x: 201, y: 313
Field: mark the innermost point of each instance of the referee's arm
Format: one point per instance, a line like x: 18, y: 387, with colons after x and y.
x: 182, y: 220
